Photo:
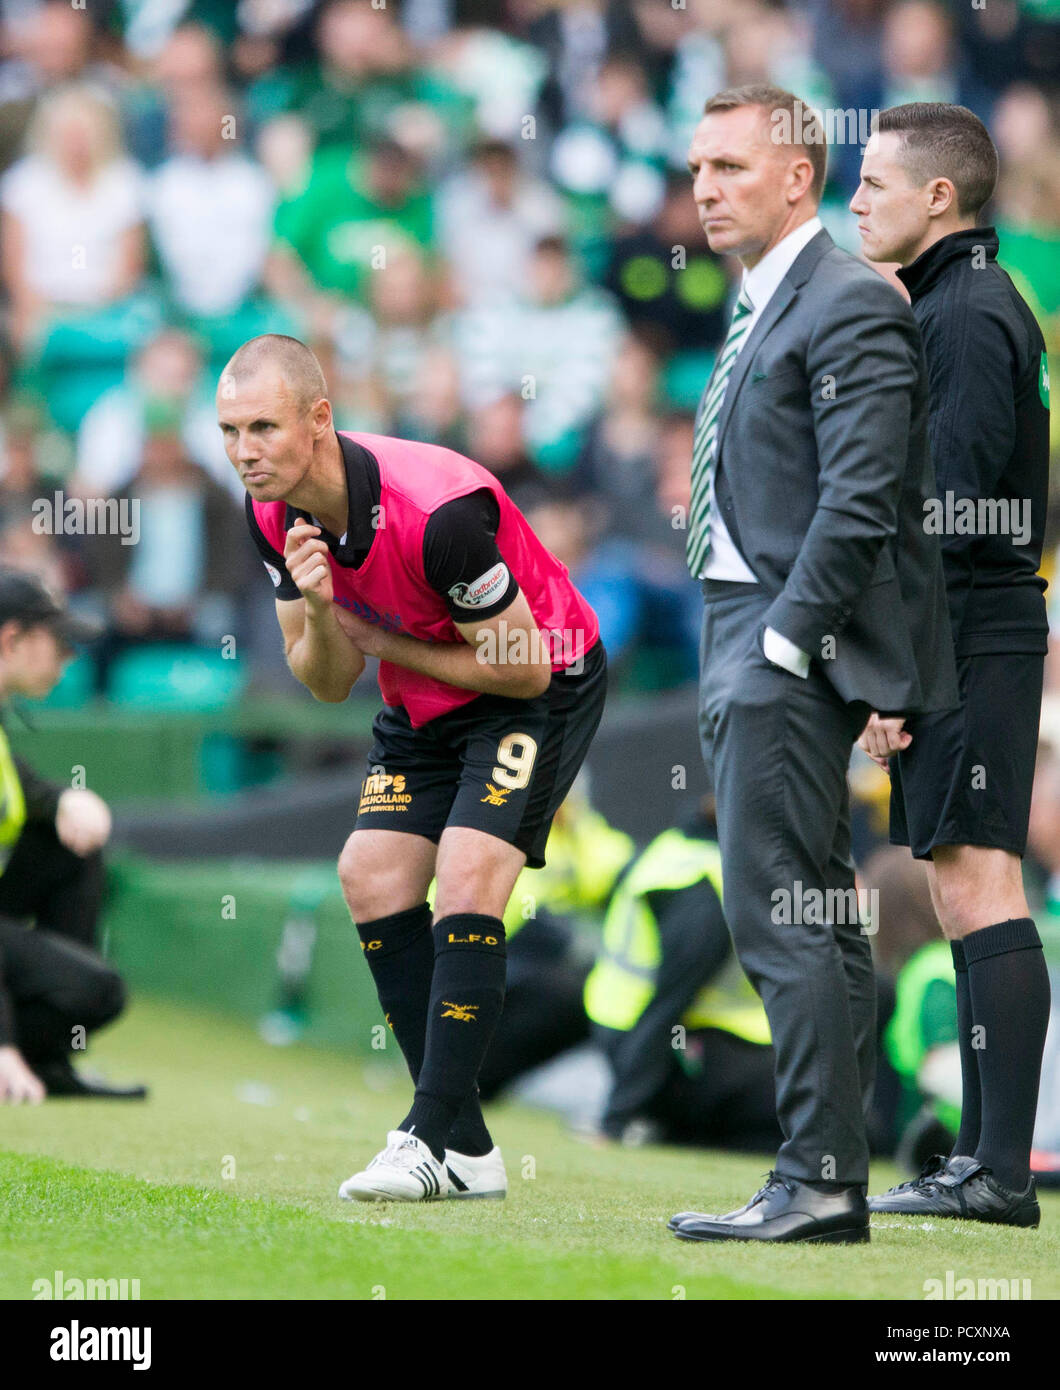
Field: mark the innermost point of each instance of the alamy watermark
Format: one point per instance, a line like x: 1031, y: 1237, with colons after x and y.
x: 60, y: 515
x: 518, y: 647
x: 955, y: 1288
x: 835, y: 906
x: 806, y: 125
x: 77, y: 1343
x: 950, y: 515
x: 59, y: 1286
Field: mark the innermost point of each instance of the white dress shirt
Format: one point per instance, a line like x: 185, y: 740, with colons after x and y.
x: 724, y: 561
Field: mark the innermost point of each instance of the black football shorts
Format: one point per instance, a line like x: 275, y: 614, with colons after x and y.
x: 496, y: 764
x: 966, y: 778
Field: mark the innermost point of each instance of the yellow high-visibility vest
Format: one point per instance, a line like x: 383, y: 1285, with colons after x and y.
x: 622, y: 983
x: 12, y: 802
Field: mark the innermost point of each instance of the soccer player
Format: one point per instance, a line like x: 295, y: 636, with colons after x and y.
x: 961, y: 781
x: 493, y: 679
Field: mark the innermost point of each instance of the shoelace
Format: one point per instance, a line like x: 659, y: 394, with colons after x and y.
x: 407, y: 1154
x: 772, y: 1180
x: 934, y: 1179
x: 933, y: 1168
x: 403, y: 1155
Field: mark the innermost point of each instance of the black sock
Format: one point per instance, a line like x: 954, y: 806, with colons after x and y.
x: 399, y: 950
x: 468, y: 1133
x: 467, y: 995
x: 971, y: 1100
x: 1009, y: 984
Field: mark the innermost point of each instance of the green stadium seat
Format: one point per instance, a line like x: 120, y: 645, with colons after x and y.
x: 174, y: 678
x: 75, y: 689
x: 84, y: 355
x: 684, y: 377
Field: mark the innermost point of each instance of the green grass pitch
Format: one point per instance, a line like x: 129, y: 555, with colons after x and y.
x: 224, y: 1186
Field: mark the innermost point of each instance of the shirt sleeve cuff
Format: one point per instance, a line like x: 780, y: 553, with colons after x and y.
x: 781, y: 652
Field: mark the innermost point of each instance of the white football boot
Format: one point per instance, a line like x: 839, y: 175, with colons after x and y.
x: 405, y: 1171
x: 476, y: 1177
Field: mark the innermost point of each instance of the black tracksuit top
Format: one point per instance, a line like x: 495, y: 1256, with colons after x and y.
x: 989, y: 432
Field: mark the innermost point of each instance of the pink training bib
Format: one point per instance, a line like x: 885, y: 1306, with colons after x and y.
x: 390, y: 587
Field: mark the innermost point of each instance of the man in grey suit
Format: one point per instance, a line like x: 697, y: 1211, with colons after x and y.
x: 824, y: 600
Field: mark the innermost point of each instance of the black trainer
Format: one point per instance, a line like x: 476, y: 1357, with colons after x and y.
x: 60, y: 1079
x: 900, y: 1194
x: 960, y: 1188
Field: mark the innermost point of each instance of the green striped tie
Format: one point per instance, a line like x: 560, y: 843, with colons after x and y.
x: 706, y: 428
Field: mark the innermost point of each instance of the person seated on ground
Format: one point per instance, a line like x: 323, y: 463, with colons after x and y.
x: 55, y: 988
x: 684, y: 1032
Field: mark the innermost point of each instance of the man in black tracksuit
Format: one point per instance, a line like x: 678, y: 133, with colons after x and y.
x: 961, y: 781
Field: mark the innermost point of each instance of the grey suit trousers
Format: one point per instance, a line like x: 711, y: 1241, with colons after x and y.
x: 776, y: 748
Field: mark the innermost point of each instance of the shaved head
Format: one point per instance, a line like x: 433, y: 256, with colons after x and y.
x: 286, y: 358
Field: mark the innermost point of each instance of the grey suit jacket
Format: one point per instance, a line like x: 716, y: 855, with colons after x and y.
x: 823, y: 470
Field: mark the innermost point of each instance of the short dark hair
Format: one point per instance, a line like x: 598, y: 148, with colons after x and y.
x: 801, y: 120
x: 948, y: 142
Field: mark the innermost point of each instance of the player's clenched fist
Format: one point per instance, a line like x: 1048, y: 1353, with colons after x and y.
x: 306, y: 558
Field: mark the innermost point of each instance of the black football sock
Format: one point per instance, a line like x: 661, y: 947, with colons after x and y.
x: 1009, y: 984
x: 399, y: 950
x: 400, y: 954
x: 467, y: 994
x: 468, y: 1133
x: 971, y: 1101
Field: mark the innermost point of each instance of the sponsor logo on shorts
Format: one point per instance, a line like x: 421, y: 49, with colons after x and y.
x: 495, y: 795
x: 382, y: 792
x: 482, y: 591
x: 463, y: 1013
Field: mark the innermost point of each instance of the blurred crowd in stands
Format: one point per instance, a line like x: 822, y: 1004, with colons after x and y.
x: 476, y: 212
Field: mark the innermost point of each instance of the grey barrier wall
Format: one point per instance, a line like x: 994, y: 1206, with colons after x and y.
x: 644, y: 770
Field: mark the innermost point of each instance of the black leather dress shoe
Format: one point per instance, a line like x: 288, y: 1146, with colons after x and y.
x: 961, y: 1187
x: 675, y: 1221
x: 786, y: 1209
x: 60, y: 1079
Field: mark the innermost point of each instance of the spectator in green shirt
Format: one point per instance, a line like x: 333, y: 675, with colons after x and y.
x: 365, y: 80
x: 357, y: 210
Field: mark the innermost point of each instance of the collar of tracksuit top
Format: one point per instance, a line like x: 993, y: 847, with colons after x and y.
x: 920, y: 275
